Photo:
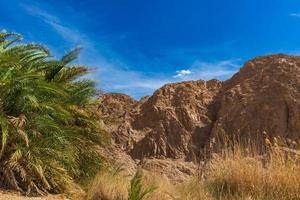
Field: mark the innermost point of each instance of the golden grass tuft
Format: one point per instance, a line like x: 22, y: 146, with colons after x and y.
x: 115, y: 187
x: 234, y: 174
x: 108, y: 186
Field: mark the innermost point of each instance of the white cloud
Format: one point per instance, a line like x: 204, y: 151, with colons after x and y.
x: 209, y: 70
x: 117, y: 78
x: 295, y: 15
x: 182, y: 73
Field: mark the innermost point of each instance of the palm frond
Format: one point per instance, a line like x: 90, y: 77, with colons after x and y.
x: 5, y: 40
x: 48, y: 129
x: 70, y: 56
x: 4, y: 133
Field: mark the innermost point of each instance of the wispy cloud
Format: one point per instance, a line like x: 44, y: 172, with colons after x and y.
x: 295, y: 15
x: 117, y: 76
x: 138, y: 84
x: 68, y: 33
x: 114, y: 75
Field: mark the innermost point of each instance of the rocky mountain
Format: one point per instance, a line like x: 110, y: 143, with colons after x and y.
x: 173, y: 126
x: 262, y: 97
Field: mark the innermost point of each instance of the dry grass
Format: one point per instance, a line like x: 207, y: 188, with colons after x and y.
x: 189, y: 190
x: 108, y: 186
x: 10, y: 195
x: 115, y: 187
x: 231, y: 175
x: 275, y: 176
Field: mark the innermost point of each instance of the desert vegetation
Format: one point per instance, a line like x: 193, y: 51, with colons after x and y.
x: 51, y: 139
x: 238, y: 172
x: 48, y: 128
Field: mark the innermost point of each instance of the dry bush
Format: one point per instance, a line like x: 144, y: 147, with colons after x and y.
x: 108, y: 186
x: 192, y: 189
x: 237, y: 175
x: 189, y: 190
x: 164, y: 187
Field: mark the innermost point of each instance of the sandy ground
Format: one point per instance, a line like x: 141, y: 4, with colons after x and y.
x: 13, y: 196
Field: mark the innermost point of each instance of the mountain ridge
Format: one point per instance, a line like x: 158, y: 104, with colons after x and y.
x: 180, y: 119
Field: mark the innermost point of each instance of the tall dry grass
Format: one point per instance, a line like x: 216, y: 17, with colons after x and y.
x: 109, y: 186
x: 273, y: 176
x: 237, y: 173
x: 115, y: 187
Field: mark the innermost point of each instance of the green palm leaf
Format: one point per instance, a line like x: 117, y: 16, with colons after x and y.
x: 49, y: 130
x: 4, y: 132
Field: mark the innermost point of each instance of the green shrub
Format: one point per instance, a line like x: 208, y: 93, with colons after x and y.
x: 48, y: 127
x: 136, y: 191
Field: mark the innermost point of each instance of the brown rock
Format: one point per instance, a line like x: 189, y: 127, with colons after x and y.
x: 262, y: 96
x: 116, y: 110
x: 179, y: 119
x: 176, y: 120
x: 173, y: 123
x: 174, y: 170
x: 116, y: 104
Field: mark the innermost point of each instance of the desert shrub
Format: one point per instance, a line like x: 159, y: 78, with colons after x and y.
x: 117, y: 186
x: 114, y: 185
x: 192, y: 189
x: 273, y: 176
x: 136, y: 190
x: 108, y: 185
x: 48, y: 127
x: 236, y: 172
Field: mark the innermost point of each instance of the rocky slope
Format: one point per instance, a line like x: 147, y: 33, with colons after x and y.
x: 263, y: 96
x: 178, y: 120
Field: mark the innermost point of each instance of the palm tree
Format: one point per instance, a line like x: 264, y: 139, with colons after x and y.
x: 48, y: 127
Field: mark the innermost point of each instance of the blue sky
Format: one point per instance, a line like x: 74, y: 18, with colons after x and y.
x: 139, y: 45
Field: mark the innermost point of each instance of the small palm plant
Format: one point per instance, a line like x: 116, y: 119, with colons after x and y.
x: 48, y: 127
x: 136, y: 191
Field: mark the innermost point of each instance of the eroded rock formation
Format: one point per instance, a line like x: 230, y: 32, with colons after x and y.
x: 262, y: 96
x: 179, y: 119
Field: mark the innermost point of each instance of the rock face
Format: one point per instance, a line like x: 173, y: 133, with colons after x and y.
x: 175, y: 120
x: 174, y: 170
x: 262, y: 96
x: 179, y: 119
x: 173, y: 123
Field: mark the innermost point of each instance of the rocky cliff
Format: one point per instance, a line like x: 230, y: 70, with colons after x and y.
x: 179, y: 119
x: 262, y: 97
